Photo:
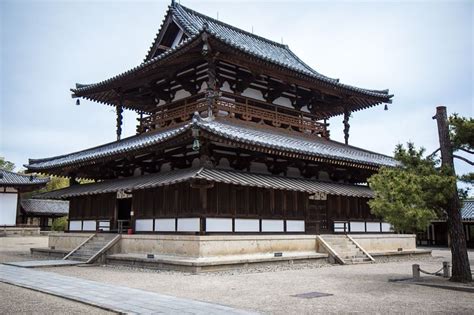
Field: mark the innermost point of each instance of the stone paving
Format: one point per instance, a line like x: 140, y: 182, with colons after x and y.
x: 111, y: 297
x: 44, y: 263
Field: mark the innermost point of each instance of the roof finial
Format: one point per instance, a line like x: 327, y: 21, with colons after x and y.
x: 218, y: 15
x: 172, y: 3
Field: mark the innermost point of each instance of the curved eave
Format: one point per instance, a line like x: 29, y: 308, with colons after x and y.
x: 103, y: 92
x: 247, y: 137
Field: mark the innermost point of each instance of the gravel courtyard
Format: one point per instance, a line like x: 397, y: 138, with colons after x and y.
x: 354, y: 289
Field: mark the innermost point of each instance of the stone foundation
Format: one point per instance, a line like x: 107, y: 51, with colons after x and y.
x: 386, y: 242
x: 216, y: 252
x: 19, y: 231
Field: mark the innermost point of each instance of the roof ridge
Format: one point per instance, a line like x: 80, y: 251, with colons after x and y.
x: 177, y: 5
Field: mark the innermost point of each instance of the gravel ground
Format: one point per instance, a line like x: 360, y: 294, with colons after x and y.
x: 357, y: 288
x: 269, y: 289
x: 16, y: 300
x: 17, y: 248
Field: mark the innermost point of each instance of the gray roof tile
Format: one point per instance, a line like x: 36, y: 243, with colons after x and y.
x: 212, y: 175
x: 13, y: 179
x: 467, y: 210
x: 246, y: 133
x: 194, y: 24
x: 45, y: 206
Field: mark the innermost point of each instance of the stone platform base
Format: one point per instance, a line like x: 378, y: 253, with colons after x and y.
x: 54, y: 253
x: 207, y: 264
x: 216, y: 252
x: 19, y: 231
x: 388, y: 256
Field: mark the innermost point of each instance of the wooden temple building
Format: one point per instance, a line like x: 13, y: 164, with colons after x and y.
x: 232, y: 137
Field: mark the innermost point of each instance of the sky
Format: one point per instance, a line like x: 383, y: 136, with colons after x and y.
x: 421, y: 50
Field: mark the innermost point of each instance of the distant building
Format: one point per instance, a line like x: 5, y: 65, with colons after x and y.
x: 437, y: 233
x: 11, y: 185
x: 42, y: 212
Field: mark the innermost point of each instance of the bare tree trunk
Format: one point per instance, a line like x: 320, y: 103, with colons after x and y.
x: 461, y: 271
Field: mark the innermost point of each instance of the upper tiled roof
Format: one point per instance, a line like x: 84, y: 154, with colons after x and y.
x: 45, y: 206
x: 212, y: 175
x: 467, y: 210
x: 248, y: 133
x: 194, y: 24
x: 13, y: 179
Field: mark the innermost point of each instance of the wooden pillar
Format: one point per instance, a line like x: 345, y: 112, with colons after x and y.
x: 347, y: 115
x: 211, y: 92
x: 119, y: 111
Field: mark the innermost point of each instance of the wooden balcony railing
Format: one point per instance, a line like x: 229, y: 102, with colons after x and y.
x: 236, y: 107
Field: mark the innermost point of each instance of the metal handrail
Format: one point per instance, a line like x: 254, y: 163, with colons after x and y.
x: 78, y: 247
x: 104, y: 249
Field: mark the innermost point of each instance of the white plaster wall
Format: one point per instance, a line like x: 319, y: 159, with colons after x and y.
x: 357, y: 226
x: 8, y: 203
x: 180, y: 94
x: 283, y: 101
x: 373, y: 227
x: 272, y: 226
x: 165, y: 225
x: 226, y: 87
x: 295, y: 225
x: 144, y: 225
x: 89, y: 225
x: 252, y: 93
x: 75, y: 225
x: 247, y: 225
x: 218, y: 225
x: 188, y: 225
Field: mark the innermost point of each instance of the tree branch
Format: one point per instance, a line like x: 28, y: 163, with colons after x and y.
x: 463, y: 159
x: 434, y: 152
x: 466, y: 150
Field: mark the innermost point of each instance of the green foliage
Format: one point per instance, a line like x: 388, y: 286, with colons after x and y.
x: 60, y: 224
x: 6, y: 165
x: 55, y: 183
x: 461, y: 132
x: 413, y: 194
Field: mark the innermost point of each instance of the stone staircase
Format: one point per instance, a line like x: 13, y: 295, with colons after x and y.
x: 344, y: 249
x: 91, y: 249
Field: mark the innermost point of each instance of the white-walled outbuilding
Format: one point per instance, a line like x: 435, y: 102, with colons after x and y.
x: 11, y: 185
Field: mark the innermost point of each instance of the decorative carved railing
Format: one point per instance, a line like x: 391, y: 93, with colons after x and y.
x: 236, y: 107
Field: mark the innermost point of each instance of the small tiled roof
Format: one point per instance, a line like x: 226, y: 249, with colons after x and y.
x: 467, y: 210
x: 45, y: 206
x: 249, y: 133
x: 13, y: 179
x: 212, y: 175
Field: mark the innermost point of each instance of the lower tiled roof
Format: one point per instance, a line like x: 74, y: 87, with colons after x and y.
x: 13, y: 179
x: 247, y: 133
x: 467, y: 210
x: 45, y: 206
x: 211, y: 175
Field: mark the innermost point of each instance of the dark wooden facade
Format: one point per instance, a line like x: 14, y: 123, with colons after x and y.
x: 220, y: 200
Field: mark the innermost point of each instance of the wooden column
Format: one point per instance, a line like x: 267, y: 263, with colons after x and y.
x: 119, y: 111
x: 211, y: 93
x: 347, y: 115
